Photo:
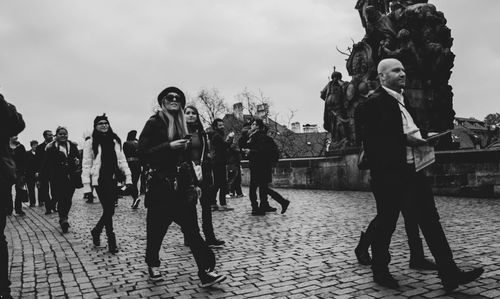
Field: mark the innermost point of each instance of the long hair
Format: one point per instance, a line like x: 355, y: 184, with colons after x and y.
x: 199, y: 125
x: 97, y: 138
x: 177, y: 126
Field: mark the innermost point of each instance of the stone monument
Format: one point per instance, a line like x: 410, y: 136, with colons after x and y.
x: 414, y: 32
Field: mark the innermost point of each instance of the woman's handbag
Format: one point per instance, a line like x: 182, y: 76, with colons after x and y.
x: 198, y: 172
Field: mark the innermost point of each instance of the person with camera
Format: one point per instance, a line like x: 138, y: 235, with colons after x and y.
x: 171, y: 191
x: 103, y: 162
x: 60, y: 169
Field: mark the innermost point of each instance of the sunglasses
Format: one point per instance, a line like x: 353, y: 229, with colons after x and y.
x: 173, y: 97
x: 101, y: 123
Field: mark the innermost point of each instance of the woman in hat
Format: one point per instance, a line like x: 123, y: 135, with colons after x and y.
x: 164, y: 146
x: 103, y: 160
x: 60, y: 169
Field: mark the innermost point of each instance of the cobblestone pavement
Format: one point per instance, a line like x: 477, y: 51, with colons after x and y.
x: 305, y: 253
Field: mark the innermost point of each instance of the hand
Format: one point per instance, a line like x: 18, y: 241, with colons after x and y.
x: 178, y: 144
x: 230, y: 135
x: 77, y: 161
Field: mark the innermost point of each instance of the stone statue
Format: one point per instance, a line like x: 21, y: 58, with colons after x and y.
x: 335, y: 115
x: 414, y: 32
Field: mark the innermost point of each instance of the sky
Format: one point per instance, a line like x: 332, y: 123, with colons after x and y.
x: 64, y: 62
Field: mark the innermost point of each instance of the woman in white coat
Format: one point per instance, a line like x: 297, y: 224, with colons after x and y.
x: 103, y: 159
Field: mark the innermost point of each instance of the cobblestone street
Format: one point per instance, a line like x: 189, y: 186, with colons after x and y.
x: 305, y: 253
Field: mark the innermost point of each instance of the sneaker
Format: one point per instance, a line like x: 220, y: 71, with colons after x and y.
x: 154, y: 273
x: 209, y: 278
x: 136, y: 202
x: 215, y: 243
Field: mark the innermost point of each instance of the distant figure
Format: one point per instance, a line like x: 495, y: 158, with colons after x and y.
x: 262, y: 154
x: 11, y: 124
x: 43, y: 185
x: 31, y: 170
x: 219, y: 146
x: 130, y: 148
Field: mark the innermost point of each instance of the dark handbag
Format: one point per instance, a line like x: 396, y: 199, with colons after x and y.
x: 186, y: 178
x: 76, y: 179
x: 22, y: 194
x: 158, y: 185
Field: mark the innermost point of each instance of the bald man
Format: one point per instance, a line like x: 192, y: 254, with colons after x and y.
x: 390, y: 136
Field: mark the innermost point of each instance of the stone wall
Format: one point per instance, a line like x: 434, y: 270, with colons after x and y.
x: 474, y: 173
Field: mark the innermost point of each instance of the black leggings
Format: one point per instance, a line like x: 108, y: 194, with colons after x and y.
x: 106, y: 191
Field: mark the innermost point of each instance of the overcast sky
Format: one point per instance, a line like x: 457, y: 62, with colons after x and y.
x: 64, y: 62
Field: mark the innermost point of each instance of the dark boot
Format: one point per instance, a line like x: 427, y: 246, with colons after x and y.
x: 452, y: 279
x: 361, y: 250
x: 112, y: 243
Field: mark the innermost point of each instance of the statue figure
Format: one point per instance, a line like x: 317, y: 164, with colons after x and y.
x: 334, y: 116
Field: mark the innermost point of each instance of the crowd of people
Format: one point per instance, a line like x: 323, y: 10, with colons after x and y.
x: 173, y: 164
x: 178, y: 163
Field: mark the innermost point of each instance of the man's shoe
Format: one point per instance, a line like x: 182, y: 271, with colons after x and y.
x: 385, y: 279
x: 284, y: 206
x: 65, y: 227
x: 40, y: 204
x: 268, y: 209
x: 258, y: 213
x: 459, y: 277
x: 240, y: 195
x: 48, y: 212
x: 215, y: 207
x: 209, y: 278
x: 136, y: 202
x: 96, y: 237
x: 90, y: 200
x: 225, y: 208
x: 32, y: 205
x: 423, y: 264
x: 215, y: 243
x: 363, y: 256
x: 20, y: 213
x: 154, y: 273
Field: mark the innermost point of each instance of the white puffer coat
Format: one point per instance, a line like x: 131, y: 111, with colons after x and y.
x: 91, y: 165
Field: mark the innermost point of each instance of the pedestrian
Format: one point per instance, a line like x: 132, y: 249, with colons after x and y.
x: 391, y: 135
x: 262, y: 154
x: 89, y: 195
x: 234, y: 171
x: 11, y: 124
x: 199, y: 155
x: 103, y: 161
x: 19, y: 156
x: 163, y: 145
x: 31, y: 172
x: 60, y: 169
x: 43, y: 185
x: 219, y: 151
x: 130, y: 148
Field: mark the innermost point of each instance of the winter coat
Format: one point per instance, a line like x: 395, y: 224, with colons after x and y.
x: 261, y: 147
x: 91, y: 165
x: 61, y: 166
x: 11, y: 124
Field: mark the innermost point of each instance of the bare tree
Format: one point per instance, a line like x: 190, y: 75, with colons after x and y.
x: 252, y: 102
x: 211, y: 105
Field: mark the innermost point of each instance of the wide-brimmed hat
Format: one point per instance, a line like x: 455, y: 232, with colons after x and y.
x: 176, y: 90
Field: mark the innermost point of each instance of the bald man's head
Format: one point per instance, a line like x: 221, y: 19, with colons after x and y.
x: 392, y: 74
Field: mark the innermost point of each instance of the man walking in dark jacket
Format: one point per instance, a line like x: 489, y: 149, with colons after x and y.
x: 43, y: 184
x: 389, y: 141
x: 220, y: 147
x: 31, y: 170
x: 11, y: 124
